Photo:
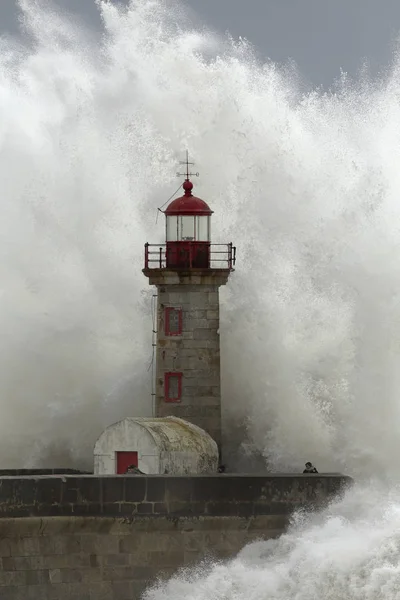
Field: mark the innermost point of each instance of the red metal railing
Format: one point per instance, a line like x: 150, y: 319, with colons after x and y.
x: 219, y: 256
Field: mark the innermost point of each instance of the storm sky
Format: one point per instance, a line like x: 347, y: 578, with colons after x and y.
x: 320, y: 36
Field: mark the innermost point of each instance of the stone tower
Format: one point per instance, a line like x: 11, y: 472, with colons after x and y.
x: 188, y: 271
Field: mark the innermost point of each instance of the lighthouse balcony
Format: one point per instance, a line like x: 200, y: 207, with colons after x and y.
x: 189, y: 255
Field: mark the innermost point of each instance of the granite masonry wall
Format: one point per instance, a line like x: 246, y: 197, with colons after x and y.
x: 65, y: 537
x: 193, y: 354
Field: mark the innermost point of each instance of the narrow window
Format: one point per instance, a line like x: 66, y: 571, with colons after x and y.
x: 173, y: 387
x: 173, y: 321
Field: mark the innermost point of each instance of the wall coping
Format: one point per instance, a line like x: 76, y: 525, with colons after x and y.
x: 127, y: 496
x: 82, y: 474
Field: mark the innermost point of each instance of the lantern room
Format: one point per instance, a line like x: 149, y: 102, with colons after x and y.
x: 188, y: 231
x: 188, y: 244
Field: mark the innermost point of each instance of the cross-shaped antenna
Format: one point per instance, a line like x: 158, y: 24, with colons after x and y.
x: 187, y: 163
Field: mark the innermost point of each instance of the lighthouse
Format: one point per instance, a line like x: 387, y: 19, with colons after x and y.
x: 188, y: 271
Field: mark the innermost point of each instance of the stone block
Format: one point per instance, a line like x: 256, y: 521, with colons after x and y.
x: 209, y: 335
x: 193, y: 541
x: 199, y: 300
x: 202, y: 414
x: 25, y: 546
x: 113, y: 489
x: 170, y: 343
x: 214, y: 401
x: 198, y: 324
x: 81, y: 510
x: 192, y: 375
x: 178, y: 488
x: 172, y: 297
x: 193, y: 352
x: 48, y: 490
x: 91, y: 575
x: 68, y: 561
x: 196, y: 314
x: 47, y: 592
x: 111, y: 509
x: 7, y: 563
x: 55, y: 561
x: 264, y: 534
x: 181, y: 362
x: 36, y: 577
x: 213, y: 299
x: 59, y: 544
x: 189, y: 391
x: 118, y: 573
x: 80, y: 490
x: 127, y: 509
x: 145, y: 508
x: 167, y: 558
x: 277, y: 508
x: 99, y: 544
x: 125, y: 590
x: 164, y: 409
x: 138, y: 587
x: 194, y: 557
x: 160, y: 508
x: 212, y: 314
x: 135, y: 489
x: 116, y: 560
x: 237, y: 509
x: 14, y: 593
x: 213, y: 325
x: 32, y: 526
x: 199, y: 361
x: 202, y: 344
x: 155, y: 489
x: 183, y: 509
x: 14, y: 577
x: 138, y: 558
x: 187, y: 335
x: 133, y: 544
x: 5, y: 547
x: 212, y: 489
x: 100, y: 591
x: 166, y: 541
x: 165, y: 574
x: 16, y: 492
x: 268, y: 522
x: 204, y: 522
x: 65, y: 575
x: 206, y: 390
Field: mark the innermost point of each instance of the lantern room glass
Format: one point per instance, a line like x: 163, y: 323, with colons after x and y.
x: 188, y: 228
x: 172, y: 229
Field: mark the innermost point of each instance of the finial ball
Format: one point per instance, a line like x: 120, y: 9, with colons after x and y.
x: 187, y: 185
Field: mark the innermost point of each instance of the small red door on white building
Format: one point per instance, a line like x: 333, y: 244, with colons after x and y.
x: 124, y: 459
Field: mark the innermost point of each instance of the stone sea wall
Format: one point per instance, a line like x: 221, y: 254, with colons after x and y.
x: 65, y: 537
x: 92, y: 558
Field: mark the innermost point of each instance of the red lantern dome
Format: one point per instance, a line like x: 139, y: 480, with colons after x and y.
x: 188, y: 204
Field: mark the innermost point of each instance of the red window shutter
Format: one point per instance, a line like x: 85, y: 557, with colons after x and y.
x: 173, y: 321
x: 173, y: 387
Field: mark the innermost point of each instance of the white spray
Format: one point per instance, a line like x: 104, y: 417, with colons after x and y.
x: 306, y: 185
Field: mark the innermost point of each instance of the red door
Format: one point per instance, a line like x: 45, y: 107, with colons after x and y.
x: 124, y: 459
